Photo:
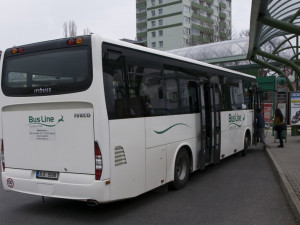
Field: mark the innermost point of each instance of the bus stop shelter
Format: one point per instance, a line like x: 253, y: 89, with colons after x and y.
x: 273, y: 44
x: 274, y: 37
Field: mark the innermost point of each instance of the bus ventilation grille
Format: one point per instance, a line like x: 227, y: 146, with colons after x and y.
x: 120, y: 157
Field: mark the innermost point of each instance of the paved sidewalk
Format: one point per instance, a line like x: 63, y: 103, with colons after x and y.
x: 286, y: 164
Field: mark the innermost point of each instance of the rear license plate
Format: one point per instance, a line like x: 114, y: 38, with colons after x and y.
x: 47, y: 175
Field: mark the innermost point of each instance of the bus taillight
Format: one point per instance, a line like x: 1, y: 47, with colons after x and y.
x: 77, y: 41
x: 2, y: 156
x: 17, y: 50
x: 71, y: 42
x: 98, y: 162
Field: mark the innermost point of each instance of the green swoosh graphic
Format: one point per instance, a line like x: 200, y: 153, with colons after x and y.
x: 235, y: 124
x: 46, y: 125
x: 163, y: 131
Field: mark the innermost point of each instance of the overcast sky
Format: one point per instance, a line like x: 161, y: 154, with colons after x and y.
x: 27, y: 21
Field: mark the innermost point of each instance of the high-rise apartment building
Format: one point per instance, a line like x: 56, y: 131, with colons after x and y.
x: 172, y: 24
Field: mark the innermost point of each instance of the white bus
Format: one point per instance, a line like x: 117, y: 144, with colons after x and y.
x: 98, y: 120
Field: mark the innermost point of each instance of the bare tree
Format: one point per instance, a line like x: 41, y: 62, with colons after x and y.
x: 240, y: 34
x: 69, y: 29
x: 65, y: 29
x: 244, y: 33
x: 72, y: 28
x: 86, y: 31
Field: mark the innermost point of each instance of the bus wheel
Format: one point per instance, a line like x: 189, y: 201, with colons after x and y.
x: 246, y: 145
x: 181, y: 169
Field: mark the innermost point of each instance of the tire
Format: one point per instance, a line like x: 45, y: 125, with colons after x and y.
x: 246, y: 145
x: 181, y: 169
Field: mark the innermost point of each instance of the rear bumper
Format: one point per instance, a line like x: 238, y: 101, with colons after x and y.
x: 68, y: 186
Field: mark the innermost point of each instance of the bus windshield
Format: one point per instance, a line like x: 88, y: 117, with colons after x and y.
x: 47, y: 72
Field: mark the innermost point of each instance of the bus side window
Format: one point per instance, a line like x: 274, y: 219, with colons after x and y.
x: 131, y: 85
x: 193, y: 97
x: 114, y: 85
x: 247, y: 94
x: 218, y: 98
x: 152, y: 92
x: 226, y: 96
x: 145, y: 88
x: 236, y: 95
x: 181, y: 90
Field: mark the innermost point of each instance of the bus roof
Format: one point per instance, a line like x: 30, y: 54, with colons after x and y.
x: 161, y: 53
x: 171, y: 55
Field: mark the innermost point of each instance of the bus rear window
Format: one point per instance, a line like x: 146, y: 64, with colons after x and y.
x: 48, y: 72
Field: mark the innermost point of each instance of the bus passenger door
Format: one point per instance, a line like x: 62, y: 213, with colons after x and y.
x: 258, y: 104
x: 210, y: 118
x: 217, y: 122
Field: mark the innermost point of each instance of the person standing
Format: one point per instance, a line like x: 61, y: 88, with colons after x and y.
x: 279, y: 125
x: 260, y: 124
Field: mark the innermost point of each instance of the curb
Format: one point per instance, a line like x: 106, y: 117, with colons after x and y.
x: 287, y: 189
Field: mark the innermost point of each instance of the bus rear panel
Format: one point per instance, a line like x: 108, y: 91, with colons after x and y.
x: 48, y: 141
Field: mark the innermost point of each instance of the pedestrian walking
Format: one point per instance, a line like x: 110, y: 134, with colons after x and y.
x: 278, y: 122
x: 260, y: 124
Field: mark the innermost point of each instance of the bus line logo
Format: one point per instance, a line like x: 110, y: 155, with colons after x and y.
x: 236, y: 119
x: 47, y: 121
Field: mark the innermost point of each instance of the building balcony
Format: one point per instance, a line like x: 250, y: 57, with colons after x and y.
x: 196, y: 26
x: 223, y: 35
x: 196, y: 38
x: 141, y: 5
x: 222, y: 5
x: 203, y: 18
x: 141, y: 25
x: 210, y: 2
x: 209, y: 11
x: 142, y: 14
x: 205, y: 30
x: 222, y: 16
x: 141, y: 34
x: 197, y: 6
x: 223, y: 24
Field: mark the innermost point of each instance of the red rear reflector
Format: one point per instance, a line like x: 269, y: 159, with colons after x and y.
x: 2, y: 156
x: 71, y: 42
x: 98, y: 161
x: 21, y: 50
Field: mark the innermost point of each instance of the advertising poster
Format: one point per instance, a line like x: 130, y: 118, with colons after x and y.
x: 268, y: 113
x: 295, y: 108
x: 282, y: 107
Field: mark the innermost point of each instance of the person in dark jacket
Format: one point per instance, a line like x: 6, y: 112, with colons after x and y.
x: 260, y: 124
x: 279, y: 125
